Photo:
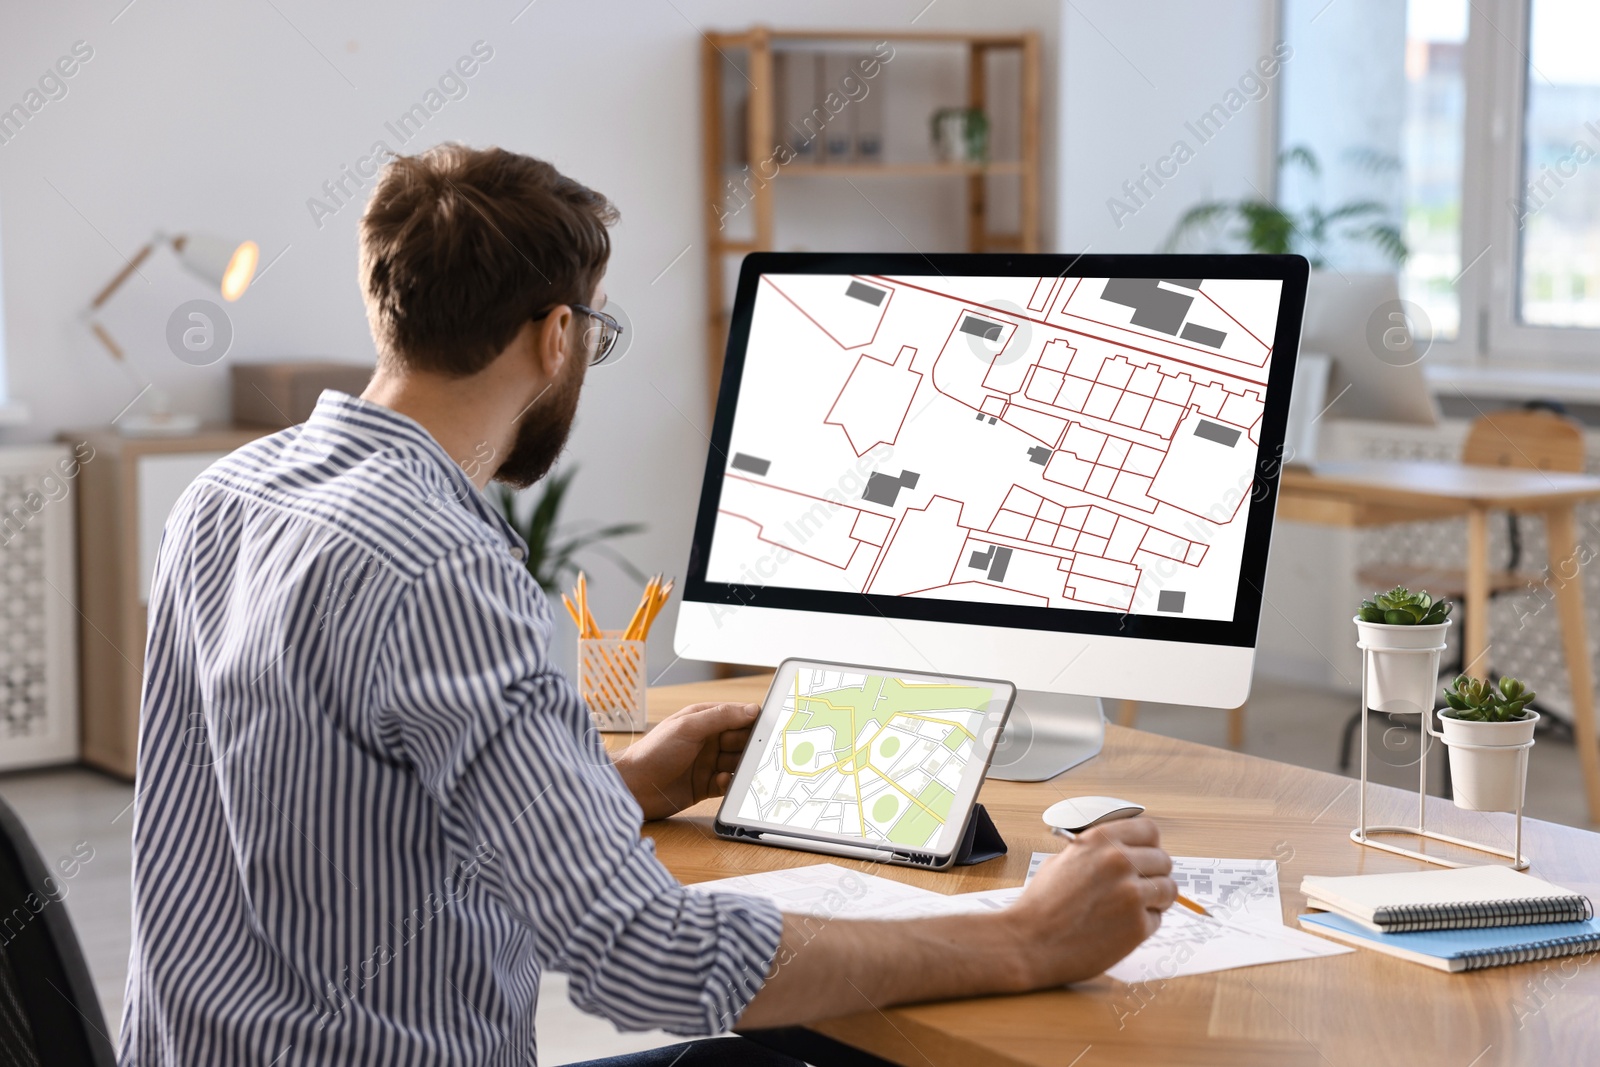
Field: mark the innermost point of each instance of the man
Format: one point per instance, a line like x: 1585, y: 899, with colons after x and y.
x: 372, y: 812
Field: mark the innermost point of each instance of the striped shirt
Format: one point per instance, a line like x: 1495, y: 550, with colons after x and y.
x: 371, y: 811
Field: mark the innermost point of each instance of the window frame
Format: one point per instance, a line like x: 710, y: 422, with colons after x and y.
x: 1496, y: 69
x: 1506, y: 28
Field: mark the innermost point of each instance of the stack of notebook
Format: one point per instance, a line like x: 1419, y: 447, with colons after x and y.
x: 1454, y: 920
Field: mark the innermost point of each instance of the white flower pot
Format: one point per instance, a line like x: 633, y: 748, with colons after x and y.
x: 1402, y: 665
x: 1492, y: 774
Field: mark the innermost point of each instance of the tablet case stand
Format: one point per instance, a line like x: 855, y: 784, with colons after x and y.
x: 981, y: 841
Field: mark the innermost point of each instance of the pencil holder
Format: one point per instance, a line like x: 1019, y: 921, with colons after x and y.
x: 611, y: 681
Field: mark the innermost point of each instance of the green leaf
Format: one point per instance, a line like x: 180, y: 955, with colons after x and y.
x: 1398, y: 617
x: 1302, y: 156
x: 553, y: 550
x: 1386, y: 237
x: 1356, y: 209
x: 1267, y: 229
x: 1373, y: 161
x: 1197, y: 217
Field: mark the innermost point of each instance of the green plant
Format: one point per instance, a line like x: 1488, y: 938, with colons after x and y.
x: 1270, y: 228
x: 974, y: 131
x: 552, y: 548
x: 1401, y: 607
x: 1479, y: 701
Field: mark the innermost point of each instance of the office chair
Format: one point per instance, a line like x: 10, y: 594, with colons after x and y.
x: 1537, y: 436
x: 49, y: 1015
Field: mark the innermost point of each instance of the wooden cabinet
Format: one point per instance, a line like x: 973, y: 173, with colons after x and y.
x: 126, y: 489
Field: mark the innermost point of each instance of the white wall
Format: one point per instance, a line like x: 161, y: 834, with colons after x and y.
x: 230, y: 117
x: 1131, y: 76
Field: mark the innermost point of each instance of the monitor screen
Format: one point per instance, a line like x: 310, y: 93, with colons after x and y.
x: 1026, y: 450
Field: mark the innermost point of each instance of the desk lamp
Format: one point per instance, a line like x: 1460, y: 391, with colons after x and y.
x: 225, y: 264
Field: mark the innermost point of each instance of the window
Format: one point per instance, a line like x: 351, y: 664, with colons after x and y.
x: 1491, y: 166
x: 1559, y: 252
x: 1431, y: 158
x: 3, y: 393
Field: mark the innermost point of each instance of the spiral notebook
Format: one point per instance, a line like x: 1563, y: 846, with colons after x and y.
x: 1461, y: 898
x: 1464, y: 950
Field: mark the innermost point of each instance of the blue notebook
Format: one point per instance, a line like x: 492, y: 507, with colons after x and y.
x: 1464, y: 950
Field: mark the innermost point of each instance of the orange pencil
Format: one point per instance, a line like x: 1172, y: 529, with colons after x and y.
x: 662, y: 596
x: 589, y: 629
x: 631, y: 633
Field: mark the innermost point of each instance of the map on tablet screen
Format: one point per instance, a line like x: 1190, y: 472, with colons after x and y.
x: 868, y: 755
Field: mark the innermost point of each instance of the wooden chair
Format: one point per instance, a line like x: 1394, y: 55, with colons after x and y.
x: 1525, y: 439
x: 1128, y: 715
x: 1531, y: 438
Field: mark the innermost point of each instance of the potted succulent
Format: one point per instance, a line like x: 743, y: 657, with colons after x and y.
x: 1484, y: 728
x: 1403, y: 633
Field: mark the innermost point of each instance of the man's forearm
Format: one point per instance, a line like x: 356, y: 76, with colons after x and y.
x: 829, y: 967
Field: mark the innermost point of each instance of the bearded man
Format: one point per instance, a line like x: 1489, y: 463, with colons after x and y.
x: 371, y: 810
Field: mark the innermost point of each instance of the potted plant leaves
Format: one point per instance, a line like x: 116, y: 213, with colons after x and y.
x: 1403, y: 633
x: 552, y: 545
x: 1485, y: 728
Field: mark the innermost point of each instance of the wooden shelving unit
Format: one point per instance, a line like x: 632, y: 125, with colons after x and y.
x: 755, y: 48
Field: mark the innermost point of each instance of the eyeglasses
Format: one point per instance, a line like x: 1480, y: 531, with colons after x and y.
x: 605, y: 332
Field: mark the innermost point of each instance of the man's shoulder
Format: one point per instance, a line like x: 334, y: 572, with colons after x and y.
x: 399, y: 505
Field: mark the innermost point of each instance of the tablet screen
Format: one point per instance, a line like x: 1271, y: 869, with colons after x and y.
x: 865, y: 755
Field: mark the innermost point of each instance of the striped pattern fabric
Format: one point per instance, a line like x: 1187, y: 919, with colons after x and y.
x: 371, y: 811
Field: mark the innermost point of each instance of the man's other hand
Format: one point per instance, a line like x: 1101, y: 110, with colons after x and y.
x: 1093, y: 903
x: 689, y: 756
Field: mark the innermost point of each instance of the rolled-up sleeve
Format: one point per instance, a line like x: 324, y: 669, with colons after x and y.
x: 505, y: 745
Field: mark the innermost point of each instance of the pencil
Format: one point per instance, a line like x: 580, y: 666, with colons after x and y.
x: 1185, y: 901
x: 662, y: 594
x: 587, y: 626
x: 630, y: 631
x: 637, y: 626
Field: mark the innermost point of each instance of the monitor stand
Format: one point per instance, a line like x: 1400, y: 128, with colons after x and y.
x: 1046, y: 734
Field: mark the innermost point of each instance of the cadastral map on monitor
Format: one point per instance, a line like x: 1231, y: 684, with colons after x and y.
x: 1058, y: 442
x: 868, y: 755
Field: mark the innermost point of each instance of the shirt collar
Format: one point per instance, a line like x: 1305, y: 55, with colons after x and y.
x: 383, y: 427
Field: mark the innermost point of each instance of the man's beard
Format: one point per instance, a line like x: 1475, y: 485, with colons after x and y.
x: 542, y: 433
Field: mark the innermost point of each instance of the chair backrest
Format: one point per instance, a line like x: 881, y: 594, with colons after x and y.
x: 49, y: 1014
x: 1531, y: 440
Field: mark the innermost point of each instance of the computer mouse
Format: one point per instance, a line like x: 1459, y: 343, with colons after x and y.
x: 1076, y: 814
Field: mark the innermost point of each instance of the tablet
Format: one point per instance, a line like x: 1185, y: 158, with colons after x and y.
x: 866, y: 762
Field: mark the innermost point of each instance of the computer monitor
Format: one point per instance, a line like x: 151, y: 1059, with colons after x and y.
x: 1059, y: 470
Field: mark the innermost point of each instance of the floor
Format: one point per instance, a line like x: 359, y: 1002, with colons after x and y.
x: 71, y: 811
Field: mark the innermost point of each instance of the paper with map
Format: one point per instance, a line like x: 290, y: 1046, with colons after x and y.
x: 878, y: 757
x: 1059, y: 442
x: 1246, y: 927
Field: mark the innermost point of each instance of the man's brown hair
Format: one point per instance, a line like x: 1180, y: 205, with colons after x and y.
x: 461, y: 246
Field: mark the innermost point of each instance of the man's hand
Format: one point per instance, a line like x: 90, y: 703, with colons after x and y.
x: 1092, y: 903
x: 689, y: 756
x: 1086, y: 909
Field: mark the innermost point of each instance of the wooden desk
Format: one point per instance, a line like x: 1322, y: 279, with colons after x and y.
x: 1371, y: 493
x: 1364, y: 1009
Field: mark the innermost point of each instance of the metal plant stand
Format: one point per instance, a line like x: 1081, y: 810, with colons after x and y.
x: 1364, y: 834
